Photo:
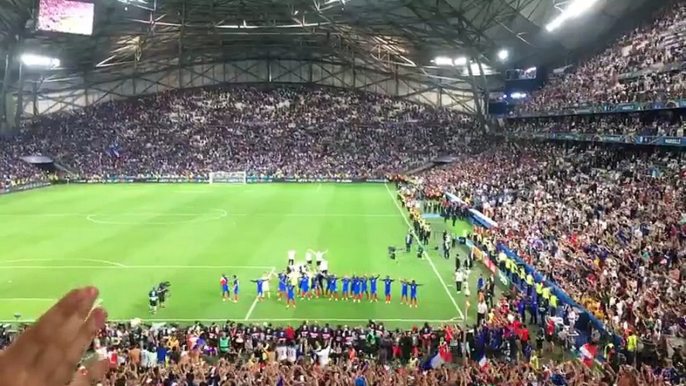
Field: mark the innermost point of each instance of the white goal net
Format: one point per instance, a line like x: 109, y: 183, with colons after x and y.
x: 228, y: 177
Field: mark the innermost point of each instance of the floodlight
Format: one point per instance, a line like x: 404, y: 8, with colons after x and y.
x: 461, y: 61
x: 518, y: 95
x: 443, y: 61
x: 32, y: 60
x: 574, y: 9
x: 503, y: 54
x: 530, y: 69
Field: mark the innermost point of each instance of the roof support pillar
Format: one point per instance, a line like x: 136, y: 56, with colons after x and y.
x: 5, y: 120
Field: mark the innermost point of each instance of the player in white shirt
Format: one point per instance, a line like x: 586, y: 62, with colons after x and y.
x: 265, y: 285
x: 319, y: 256
x: 308, y: 257
x: 291, y: 257
x: 324, y: 267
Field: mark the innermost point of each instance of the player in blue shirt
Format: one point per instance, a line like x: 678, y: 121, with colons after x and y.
x: 346, y: 287
x: 260, y: 294
x: 333, y: 287
x: 356, y: 286
x: 404, y: 285
x: 364, y: 287
x: 413, y: 293
x: 290, y: 295
x: 387, y: 288
x: 224, y: 282
x: 372, y: 288
x: 235, y: 289
x: 283, y: 281
x: 480, y: 283
x: 305, y: 287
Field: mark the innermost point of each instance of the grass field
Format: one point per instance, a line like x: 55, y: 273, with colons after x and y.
x: 126, y: 238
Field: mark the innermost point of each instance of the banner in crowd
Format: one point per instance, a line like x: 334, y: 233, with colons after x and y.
x: 603, y: 108
x: 478, y: 254
x: 628, y: 139
x: 26, y: 186
x: 249, y: 179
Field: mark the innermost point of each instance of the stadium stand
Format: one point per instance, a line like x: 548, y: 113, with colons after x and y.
x: 283, y: 131
x: 645, y: 65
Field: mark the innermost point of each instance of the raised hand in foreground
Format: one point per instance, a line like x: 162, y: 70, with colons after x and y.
x: 48, y: 353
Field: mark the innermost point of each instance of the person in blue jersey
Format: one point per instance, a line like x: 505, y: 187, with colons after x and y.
x: 333, y: 287
x: 372, y: 288
x: 224, y: 282
x: 480, y: 283
x: 364, y: 286
x: 387, y: 288
x: 305, y: 286
x: 283, y: 281
x: 260, y: 294
x: 356, y: 289
x: 413, y: 293
x: 404, y: 286
x: 345, y: 291
x: 290, y: 295
x: 235, y: 289
x: 314, y: 285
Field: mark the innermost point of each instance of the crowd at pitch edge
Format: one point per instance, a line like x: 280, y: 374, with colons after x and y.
x: 605, y: 224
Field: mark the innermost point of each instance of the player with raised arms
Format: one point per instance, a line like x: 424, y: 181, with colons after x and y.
x: 413, y: 293
x: 283, y: 283
x: 404, y: 284
x: 372, y: 288
x: 308, y: 258
x: 319, y: 257
x: 235, y: 289
x: 387, y: 288
x: 260, y: 289
x: 364, y: 289
x: 345, y: 291
x: 224, y: 282
x: 290, y: 295
x: 356, y: 289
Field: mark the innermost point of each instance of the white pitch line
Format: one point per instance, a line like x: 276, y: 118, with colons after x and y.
x: 254, y: 303
x: 111, y: 263
x: 426, y: 254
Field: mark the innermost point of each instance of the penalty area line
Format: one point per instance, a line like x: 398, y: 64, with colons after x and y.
x: 254, y: 303
x: 426, y: 254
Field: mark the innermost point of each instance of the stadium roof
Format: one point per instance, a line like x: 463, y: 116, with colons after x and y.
x: 403, y: 32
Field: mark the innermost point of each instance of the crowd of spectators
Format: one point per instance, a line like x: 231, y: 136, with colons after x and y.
x: 277, y: 132
x: 607, y: 225
x: 605, y: 79
x: 663, y: 123
x: 500, y: 351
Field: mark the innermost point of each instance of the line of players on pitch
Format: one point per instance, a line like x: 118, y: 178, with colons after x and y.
x: 297, y: 280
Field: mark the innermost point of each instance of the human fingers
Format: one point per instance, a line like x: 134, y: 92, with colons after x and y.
x: 89, y: 375
x: 25, y: 349
x: 71, y: 336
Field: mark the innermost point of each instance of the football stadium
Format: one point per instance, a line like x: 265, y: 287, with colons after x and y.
x: 342, y: 192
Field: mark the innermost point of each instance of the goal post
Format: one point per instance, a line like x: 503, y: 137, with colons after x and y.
x: 236, y: 177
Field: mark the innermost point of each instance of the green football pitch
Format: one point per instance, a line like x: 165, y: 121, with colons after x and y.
x: 126, y: 238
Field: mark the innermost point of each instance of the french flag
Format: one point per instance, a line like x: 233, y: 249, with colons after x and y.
x: 442, y: 356
x: 483, y: 363
x: 588, y: 353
